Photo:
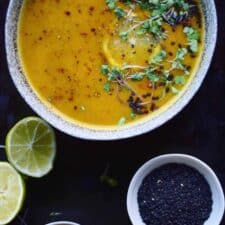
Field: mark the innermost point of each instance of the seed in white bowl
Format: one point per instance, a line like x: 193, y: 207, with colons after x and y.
x: 175, y: 194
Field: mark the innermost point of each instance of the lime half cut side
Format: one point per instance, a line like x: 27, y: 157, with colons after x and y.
x: 31, y: 147
x: 12, y: 192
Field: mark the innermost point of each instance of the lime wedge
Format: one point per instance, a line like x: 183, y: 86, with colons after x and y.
x: 30, y: 147
x: 12, y: 192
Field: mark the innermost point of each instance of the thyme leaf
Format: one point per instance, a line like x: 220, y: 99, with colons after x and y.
x: 192, y: 37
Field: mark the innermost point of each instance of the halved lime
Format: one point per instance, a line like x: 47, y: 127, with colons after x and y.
x: 12, y: 192
x: 30, y: 147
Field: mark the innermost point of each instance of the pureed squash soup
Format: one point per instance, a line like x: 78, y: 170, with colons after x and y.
x: 108, y: 62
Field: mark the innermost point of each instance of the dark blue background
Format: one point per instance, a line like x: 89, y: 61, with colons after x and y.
x: 73, y: 188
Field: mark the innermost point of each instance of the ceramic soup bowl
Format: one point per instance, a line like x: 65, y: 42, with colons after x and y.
x: 140, y: 127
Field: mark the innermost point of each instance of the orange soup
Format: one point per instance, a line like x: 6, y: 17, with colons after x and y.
x: 109, y: 62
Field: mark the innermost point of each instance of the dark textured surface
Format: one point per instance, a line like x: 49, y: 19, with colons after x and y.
x: 73, y: 188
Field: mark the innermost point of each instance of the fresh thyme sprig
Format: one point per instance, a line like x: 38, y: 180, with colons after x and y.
x: 152, y: 72
x: 159, y: 11
x: 152, y: 26
x: 177, y: 63
x: 159, y: 71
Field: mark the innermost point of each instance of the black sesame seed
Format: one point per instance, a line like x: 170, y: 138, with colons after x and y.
x: 188, y: 67
x: 153, y: 107
x: 174, y: 194
x: 170, y: 77
x: 155, y: 98
x: 161, y: 84
x: 146, y: 95
x: 136, y: 106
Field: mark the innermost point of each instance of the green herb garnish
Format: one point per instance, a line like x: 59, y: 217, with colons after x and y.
x: 159, y: 11
x: 193, y: 38
x: 132, y: 115
x: 122, y: 121
x: 106, y: 87
x: 180, y: 80
x: 159, y: 71
x: 111, y: 4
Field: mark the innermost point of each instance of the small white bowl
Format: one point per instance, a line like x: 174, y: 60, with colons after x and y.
x: 62, y: 223
x: 217, y: 191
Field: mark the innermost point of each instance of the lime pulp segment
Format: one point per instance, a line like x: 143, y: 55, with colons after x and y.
x: 12, y: 192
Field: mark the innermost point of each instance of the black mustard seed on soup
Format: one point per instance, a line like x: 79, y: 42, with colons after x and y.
x: 175, y: 194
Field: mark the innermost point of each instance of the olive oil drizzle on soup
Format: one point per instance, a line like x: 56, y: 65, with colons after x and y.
x: 109, y: 62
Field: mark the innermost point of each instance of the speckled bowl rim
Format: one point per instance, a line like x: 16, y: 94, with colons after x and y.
x: 209, y: 11
x: 218, y: 206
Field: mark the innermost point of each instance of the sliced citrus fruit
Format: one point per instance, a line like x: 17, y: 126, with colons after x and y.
x: 12, y: 192
x: 31, y: 147
x: 135, y: 50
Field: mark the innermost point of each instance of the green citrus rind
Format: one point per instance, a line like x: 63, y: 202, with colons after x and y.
x: 31, y: 147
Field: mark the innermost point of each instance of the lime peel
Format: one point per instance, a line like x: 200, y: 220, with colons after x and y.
x: 30, y: 147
